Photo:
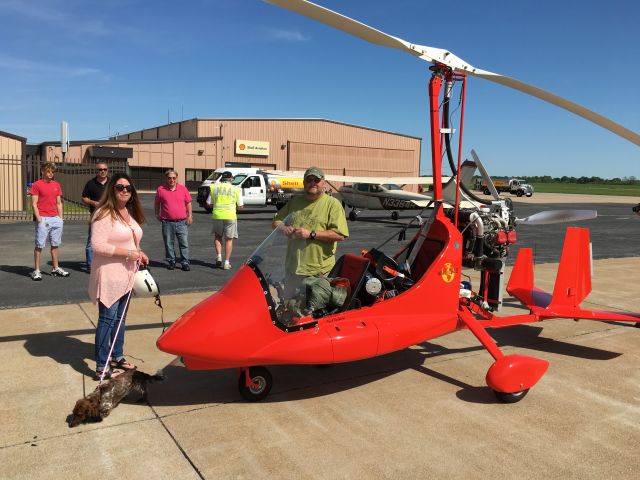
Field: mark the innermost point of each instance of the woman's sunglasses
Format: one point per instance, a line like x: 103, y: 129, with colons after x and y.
x: 120, y: 187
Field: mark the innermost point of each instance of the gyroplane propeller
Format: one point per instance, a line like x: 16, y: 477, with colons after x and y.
x: 379, y: 302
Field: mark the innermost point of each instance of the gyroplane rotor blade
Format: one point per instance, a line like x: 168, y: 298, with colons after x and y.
x: 444, y: 57
x: 485, y: 175
x: 558, y: 101
x: 557, y: 216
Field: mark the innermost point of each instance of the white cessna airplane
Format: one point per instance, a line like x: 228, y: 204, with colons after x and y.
x: 385, y: 193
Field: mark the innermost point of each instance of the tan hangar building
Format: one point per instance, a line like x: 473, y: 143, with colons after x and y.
x: 196, y: 147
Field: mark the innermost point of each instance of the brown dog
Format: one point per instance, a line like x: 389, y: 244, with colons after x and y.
x: 99, y: 403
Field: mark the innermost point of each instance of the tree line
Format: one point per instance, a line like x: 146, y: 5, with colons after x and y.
x: 631, y: 180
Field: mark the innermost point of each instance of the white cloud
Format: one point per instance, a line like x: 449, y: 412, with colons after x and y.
x: 289, y: 35
x: 32, y: 10
x: 62, y: 16
x: 20, y: 65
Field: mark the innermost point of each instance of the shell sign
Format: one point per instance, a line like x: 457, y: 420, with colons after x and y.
x: 252, y: 147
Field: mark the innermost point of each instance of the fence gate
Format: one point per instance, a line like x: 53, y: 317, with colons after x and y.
x: 17, y: 175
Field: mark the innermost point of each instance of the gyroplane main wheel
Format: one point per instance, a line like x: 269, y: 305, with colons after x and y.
x: 514, y: 397
x: 394, y: 215
x: 352, y: 216
x: 263, y: 381
x: 519, y: 193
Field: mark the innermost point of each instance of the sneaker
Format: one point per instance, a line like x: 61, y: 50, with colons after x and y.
x: 36, y: 275
x: 171, y: 266
x: 58, y: 272
x: 227, y: 265
x: 185, y: 267
x: 219, y: 262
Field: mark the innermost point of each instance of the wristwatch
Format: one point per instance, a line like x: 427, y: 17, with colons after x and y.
x: 312, y: 235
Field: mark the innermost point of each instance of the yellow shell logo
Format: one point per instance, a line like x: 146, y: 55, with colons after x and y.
x: 242, y: 146
x: 448, y: 272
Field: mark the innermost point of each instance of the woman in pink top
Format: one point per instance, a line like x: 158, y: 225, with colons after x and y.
x: 115, y: 239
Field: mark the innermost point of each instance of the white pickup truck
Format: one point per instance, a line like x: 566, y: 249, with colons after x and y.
x: 204, y: 188
x: 259, y: 188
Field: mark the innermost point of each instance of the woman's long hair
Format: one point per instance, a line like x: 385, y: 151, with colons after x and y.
x: 108, y: 204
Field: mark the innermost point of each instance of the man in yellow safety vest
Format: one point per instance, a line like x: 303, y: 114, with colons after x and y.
x: 225, y: 199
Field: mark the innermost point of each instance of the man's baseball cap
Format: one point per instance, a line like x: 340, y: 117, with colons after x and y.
x: 226, y: 175
x: 315, y: 171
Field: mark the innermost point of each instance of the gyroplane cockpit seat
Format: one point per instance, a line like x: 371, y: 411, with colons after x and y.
x: 353, y: 268
x: 429, y: 250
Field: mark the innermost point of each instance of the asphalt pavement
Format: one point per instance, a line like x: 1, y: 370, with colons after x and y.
x: 615, y: 234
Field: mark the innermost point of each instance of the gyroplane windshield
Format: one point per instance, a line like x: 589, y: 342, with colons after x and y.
x: 297, y: 300
x: 276, y: 261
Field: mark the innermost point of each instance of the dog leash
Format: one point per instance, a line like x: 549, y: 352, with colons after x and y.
x: 124, y: 312
x: 159, y: 303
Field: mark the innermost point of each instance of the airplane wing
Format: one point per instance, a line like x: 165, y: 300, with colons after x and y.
x: 359, y: 179
x: 383, y: 180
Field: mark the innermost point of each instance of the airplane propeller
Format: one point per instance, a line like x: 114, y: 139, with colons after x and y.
x: 485, y: 176
x: 557, y: 216
x: 440, y: 56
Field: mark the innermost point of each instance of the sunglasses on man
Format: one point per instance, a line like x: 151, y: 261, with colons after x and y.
x: 103, y: 169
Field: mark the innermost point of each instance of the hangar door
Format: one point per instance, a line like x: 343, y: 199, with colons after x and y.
x: 350, y: 160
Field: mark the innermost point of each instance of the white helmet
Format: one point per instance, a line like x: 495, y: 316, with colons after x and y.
x: 144, y: 285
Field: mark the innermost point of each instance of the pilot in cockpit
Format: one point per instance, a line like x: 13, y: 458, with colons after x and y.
x: 316, y: 223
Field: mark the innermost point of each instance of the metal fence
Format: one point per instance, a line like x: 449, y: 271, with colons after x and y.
x: 17, y: 175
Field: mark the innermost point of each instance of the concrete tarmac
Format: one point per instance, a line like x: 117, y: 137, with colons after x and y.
x: 422, y: 412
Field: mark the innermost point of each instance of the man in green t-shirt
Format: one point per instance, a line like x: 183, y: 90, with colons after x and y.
x: 317, y: 222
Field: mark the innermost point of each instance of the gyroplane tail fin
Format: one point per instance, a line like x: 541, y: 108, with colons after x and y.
x: 573, y: 280
x: 573, y: 283
x: 521, y: 283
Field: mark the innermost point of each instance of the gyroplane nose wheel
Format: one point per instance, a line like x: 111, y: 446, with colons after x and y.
x: 394, y: 215
x: 514, y: 397
x: 261, y: 383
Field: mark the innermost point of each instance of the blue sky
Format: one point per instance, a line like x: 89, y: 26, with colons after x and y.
x: 121, y: 65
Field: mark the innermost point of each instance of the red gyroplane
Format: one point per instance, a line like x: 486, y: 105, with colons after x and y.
x: 396, y: 301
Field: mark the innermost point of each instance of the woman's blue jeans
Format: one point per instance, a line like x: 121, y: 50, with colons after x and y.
x: 108, y: 319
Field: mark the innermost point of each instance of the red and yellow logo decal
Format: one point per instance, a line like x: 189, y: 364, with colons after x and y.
x: 242, y: 146
x: 448, y: 272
